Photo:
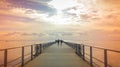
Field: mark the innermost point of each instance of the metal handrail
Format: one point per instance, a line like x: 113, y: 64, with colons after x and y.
x: 96, y: 47
x: 15, y: 59
x: 97, y: 59
x: 80, y: 50
x: 15, y: 47
x: 38, y: 51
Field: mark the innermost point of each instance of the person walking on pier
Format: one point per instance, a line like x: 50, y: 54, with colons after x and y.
x: 61, y: 41
x: 58, y: 42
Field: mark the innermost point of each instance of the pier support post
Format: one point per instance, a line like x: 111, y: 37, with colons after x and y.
x: 40, y: 48
x: 83, y: 52
x: 5, y: 58
x: 78, y: 50
x: 31, y: 52
x: 22, y: 64
x: 105, y: 58
x: 91, y: 61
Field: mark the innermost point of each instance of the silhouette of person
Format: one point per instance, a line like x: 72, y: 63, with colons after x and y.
x: 61, y: 42
x: 58, y: 42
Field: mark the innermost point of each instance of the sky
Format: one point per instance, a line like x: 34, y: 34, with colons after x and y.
x: 79, y: 20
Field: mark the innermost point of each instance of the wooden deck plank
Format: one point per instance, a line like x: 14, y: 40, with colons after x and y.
x: 58, y: 56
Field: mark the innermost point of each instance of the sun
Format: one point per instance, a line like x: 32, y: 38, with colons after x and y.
x: 59, y: 19
x: 68, y: 12
x: 61, y: 5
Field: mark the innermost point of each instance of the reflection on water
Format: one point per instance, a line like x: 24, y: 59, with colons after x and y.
x: 113, y: 57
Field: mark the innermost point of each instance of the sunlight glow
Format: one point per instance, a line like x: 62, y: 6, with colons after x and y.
x: 63, y: 4
x: 58, y: 19
x: 70, y: 8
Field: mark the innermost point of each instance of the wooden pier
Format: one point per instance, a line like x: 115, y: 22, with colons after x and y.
x: 58, y: 56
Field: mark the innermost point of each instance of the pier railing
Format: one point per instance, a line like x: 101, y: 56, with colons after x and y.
x: 82, y: 52
x: 34, y: 51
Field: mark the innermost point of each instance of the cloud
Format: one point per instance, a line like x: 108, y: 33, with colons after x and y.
x: 4, y: 5
x: 40, y: 6
x: 11, y: 34
x: 41, y: 0
x: 109, y: 21
x: 101, y: 35
x: 57, y: 34
x: 32, y: 34
x: 29, y: 34
x: 29, y: 11
x: 15, y: 18
x: 70, y: 11
x: 85, y: 16
x: 109, y: 2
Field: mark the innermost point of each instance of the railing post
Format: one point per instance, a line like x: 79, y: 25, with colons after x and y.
x: 76, y: 48
x: 83, y: 52
x: 40, y: 48
x: 91, y: 61
x: 80, y: 50
x: 73, y: 46
x: 22, y: 57
x: 105, y: 58
x: 31, y: 52
x: 5, y: 58
x: 36, y: 50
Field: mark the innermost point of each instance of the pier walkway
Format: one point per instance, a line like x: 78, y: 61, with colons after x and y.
x: 58, y: 56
